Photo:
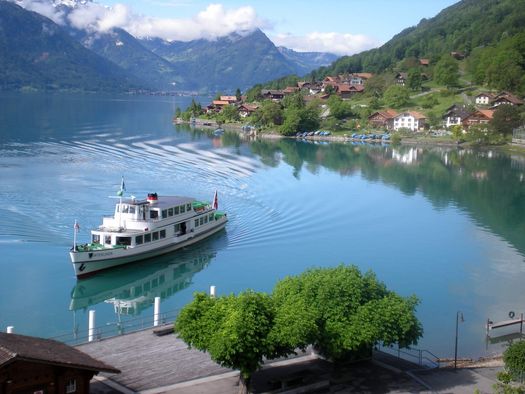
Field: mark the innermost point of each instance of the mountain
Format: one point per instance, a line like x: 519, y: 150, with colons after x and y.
x: 121, y: 48
x: 234, y: 61
x: 307, y: 61
x: 36, y: 53
x: 464, y: 26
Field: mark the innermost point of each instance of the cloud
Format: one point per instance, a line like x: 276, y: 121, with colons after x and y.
x: 215, y: 21
x: 44, y: 8
x: 96, y: 17
x: 340, y: 44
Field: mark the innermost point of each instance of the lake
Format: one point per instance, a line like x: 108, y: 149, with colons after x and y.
x: 445, y: 224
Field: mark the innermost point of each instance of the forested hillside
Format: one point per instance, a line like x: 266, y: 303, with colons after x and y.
x: 490, y: 33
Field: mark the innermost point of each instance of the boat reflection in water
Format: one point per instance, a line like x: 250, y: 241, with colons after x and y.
x: 133, y: 288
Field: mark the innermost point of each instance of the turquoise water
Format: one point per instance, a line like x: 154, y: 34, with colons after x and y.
x: 444, y: 224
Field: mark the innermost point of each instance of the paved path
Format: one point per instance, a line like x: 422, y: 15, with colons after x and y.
x: 151, y: 364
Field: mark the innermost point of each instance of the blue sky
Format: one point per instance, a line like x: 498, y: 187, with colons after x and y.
x: 338, y: 26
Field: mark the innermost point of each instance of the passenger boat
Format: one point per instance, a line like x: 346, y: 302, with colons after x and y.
x: 140, y: 229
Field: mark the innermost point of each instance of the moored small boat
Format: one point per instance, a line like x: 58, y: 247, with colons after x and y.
x: 141, y: 229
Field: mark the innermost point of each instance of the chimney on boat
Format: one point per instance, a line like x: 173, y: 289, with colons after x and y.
x: 152, y: 198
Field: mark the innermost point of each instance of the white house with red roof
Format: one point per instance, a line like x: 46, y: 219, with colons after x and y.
x: 411, y: 120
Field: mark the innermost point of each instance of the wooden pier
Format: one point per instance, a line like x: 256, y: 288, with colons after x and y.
x: 505, y: 323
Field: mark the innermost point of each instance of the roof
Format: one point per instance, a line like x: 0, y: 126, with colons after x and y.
x: 228, y: 98
x: 508, y: 97
x: 414, y: 114
x: 486, y: 112
x: 387, y: 114
x: 424, y: 62
x: 220, y: 102
x: 363, y: 75
x: 14, y: 347
x: 248, y: 107
x: 489, y: 95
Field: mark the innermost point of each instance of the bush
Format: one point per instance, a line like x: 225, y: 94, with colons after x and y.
x: 514, y: 359
x: 396, y: 139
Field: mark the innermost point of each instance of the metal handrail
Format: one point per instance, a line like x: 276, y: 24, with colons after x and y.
x: 423, y: 357
x: 113, y: 329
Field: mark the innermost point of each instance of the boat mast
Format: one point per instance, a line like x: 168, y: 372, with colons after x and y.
x: 120, y: 193
x: 76, y: 227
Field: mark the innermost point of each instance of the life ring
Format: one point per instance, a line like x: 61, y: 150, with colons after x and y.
x: 511, y: 314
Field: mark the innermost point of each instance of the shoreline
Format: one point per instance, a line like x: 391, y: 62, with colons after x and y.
x: 413, y: 141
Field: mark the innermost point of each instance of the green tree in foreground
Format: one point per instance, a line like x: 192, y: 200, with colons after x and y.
x: 343, y: 312
x: 514, y: 359
x: 338, y: 310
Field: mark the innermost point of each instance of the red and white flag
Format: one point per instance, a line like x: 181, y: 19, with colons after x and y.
x: 215, y: 204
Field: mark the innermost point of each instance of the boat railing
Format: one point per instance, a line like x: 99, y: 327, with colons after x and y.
x: 112, y: 329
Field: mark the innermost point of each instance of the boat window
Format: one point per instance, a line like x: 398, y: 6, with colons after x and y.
x: 170, y: 211
x: 201, y: 220
x: 196, y: 222
x: 211, y: 217
x: 164, y: 213
x: 154, y: 214
x: 124, y: 209
x: 107, y: 239
x: 96, y: 239
x: 139, y: 239
x: 162, y: 234
x: 182, y: 208
x: 205, y: 219
x: 154, y: 283
x: 71, y: 386
x: 176, y: 228
x: 188, y: 207
x: 147, y: 237
x: 123, y: 240
x: 156, y: 236
x: 131, y: 209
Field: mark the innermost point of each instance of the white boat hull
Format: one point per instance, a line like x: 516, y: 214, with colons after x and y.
x: 86, y: 263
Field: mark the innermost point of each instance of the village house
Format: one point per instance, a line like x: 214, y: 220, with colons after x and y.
x: 359, y: 78
x: 457, y: 55
x: 401, y: 78
x: 454, y: 115
x: 346, y: 91
x: 246, y: 110
x: 229, y: 99
x: 383, y: 119
x: 290, y: 90
x: 36, y: 365
x: 270, y: 94
x: 424, y: 62
x: 216, y: 106
x: 483, y: 98
x: 505, y: 98
x: 409, y: 120
x: 481, y: 116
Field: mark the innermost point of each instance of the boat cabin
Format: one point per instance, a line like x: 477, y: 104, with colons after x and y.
x: 138, y: 222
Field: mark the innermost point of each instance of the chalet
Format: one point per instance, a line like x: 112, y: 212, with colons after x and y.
x: 383, y: 119
x: 505, y: 98
x: 481, y: 116
x: 483, y: 98
x: 290, y: 90
x: 455, y: 115
x: 424, y: 62
x: 246, y: 110
x: 346, y: 91
x: 359, y: 78
x: 457, y: 55
x: 216, y: 106
x: 401, y: 78
x: 409, y: 120
x: 270, y: 94
x: 229, y: 99
x: 36, y: 365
